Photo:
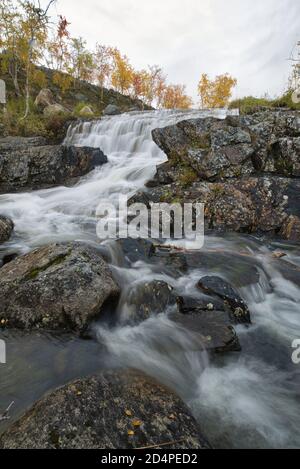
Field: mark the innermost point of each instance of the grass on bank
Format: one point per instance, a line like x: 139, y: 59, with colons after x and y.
x: 250, y: 104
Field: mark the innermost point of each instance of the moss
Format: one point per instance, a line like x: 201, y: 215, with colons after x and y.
x: 33, y: 274
x: 188, y: 177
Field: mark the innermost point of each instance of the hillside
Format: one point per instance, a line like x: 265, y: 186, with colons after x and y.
x: 79, y: 95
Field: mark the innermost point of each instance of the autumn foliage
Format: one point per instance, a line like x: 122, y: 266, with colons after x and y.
x: 28, y: 38
x: 216, y: 93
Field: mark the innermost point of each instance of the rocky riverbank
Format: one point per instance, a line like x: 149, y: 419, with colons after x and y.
x: 244, y: 169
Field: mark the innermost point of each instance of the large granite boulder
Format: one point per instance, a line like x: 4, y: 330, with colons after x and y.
x: 6, y: 229
x: 30, y: 164
x: 57, y: 287
x: 44, y: 98
x: 235, y: 147
x: 120, y: 410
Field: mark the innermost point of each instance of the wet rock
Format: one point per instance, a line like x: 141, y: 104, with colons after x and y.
x: 209, y: 330
x: 218, y: 287
x: 6, y: 229
x: 111, y: 110
x: 150, y: 298
x: 58, y: 287
x: 136, y: 250
x: 120, y: 410
x: 25, y: 165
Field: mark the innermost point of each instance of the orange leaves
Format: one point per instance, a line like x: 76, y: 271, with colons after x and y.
x: 216, y: 93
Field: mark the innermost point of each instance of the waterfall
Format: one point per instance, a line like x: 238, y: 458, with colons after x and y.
x: 242, y: 400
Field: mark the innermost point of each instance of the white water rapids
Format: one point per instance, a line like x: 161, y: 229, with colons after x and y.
x: 242, y: 400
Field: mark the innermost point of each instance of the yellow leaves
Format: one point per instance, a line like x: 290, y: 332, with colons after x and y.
x: 175, y: 97
x: 137, y: 423
x: 216, y: 93
x: 130, y: 433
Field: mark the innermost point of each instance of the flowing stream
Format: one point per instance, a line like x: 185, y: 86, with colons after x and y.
x: 242, y: 400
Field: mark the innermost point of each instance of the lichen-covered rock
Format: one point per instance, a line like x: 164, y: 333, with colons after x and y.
x: 29, y: 164
x: 57, y: 287
x: 44, y: 98
x: 55, y: 109
x: 120, y: 410
x: 291, y: 229
x: 247, y: 205
x: 6, y: 229
x: 234, y: 147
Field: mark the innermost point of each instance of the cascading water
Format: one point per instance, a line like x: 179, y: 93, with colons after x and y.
x: 246, y: 400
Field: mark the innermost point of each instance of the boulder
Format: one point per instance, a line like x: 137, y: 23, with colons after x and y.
x: 234, y: 147
x: 25, y: 165
x: 209, y: 330
x: 86, y: 111
x: 148, y: 299
x: 115, y: 410
x: 44, y: 98
x: 246, y: 205
x: 111, y: 110
x: 6, y: 229
x: 217, y: 287
x: 291, y: 229
x: 57, y: 287
x: 55, y: 109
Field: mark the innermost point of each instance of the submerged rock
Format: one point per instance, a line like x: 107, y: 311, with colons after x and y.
x: 61, y: 286
x: 29, y: 164
x: 120, y: 410
x: 6, y: 228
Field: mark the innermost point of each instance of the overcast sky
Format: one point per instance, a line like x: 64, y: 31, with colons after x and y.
x: 250, y: 39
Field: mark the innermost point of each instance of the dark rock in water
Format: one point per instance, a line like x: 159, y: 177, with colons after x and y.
x: 111, y: 110
x: 58, y: 287
x: 148, y: 299
x: 29, y: 164
x: 218, y: 287
x: 6, y: 229
x: 209, y: 330
x: 120, y: 410
x: 136, y: 249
